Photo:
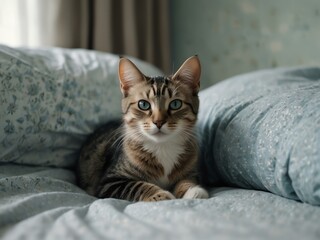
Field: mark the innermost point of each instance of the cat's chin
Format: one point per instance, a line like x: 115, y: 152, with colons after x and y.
x: 159, y: 137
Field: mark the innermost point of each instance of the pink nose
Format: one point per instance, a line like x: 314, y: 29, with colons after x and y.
x: 159, y: 123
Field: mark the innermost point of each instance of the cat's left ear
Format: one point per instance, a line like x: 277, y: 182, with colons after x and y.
x: 189, y: 73
x: 129, y: 75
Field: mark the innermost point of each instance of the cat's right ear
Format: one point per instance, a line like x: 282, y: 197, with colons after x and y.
x: 129, y: 75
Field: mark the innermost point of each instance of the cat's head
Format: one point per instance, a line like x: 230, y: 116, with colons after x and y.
x: 160, y: 108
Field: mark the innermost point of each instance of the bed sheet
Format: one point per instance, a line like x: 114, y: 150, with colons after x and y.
x: 44, y: 203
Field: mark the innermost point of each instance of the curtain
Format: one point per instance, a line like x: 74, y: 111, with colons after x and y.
x: 138, y: 28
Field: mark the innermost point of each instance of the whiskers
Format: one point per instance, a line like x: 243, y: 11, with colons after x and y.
x: 132, y: 134
x: 176, y: 133
x: 190, y: 136
x: 118, y: 134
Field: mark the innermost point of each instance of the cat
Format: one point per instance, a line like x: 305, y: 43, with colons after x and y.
x: 152, y: 154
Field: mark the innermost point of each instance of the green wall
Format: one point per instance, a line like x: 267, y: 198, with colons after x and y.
x: 238, y: 36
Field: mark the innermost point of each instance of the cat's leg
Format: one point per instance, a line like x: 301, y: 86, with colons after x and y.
x: 132, y: 190
x: 159, y: 196
x: 189, y: 189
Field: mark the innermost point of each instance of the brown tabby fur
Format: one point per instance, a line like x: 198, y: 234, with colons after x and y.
x: 152, y: 154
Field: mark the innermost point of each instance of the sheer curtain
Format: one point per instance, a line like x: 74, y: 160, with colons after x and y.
x: 139, y: 28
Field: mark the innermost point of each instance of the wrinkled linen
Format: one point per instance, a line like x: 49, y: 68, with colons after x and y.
x: 44, y: 203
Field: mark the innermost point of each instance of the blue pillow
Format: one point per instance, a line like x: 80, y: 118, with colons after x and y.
x: 51, y: 99
x: 262, y: 131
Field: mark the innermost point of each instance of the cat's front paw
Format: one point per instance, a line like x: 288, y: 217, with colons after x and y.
x: 196, y: 192
x: 160, y: 196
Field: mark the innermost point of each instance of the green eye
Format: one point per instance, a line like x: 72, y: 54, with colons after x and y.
x: 144, y: 105
x: 175, y: 104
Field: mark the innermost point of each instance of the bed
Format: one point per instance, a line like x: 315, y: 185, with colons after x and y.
x: 259, y: 135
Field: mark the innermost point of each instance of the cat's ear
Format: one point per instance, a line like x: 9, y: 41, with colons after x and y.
x: 129, y: 75
x: 189, y: 73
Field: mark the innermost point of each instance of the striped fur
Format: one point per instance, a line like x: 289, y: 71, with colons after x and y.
x: 151, y: 154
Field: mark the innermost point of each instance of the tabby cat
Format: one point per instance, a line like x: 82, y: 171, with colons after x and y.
x: 150, y: 155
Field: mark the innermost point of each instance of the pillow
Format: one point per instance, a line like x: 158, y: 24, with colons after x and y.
x: 50, y: 99
x: 262, y: 131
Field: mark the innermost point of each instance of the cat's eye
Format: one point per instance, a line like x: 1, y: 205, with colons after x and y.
x: 175, y: 104
x: 144, y: 105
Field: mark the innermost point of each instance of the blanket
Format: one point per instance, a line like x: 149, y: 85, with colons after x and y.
x: 44, y: 203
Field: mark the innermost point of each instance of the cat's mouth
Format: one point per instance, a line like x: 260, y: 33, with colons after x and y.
x: 159, y: 134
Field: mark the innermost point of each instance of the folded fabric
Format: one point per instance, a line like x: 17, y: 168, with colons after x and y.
x: 39, y: 203
x: 262, y: 131
x: 51, y: 99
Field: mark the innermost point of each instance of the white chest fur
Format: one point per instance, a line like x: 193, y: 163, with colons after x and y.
x: 167, y: 153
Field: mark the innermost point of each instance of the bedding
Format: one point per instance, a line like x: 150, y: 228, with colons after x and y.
x: 44, y: 203
x: 52, y: 98
x: 262, y: 131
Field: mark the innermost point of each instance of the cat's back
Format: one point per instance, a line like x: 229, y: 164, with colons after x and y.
x: 97, y: 154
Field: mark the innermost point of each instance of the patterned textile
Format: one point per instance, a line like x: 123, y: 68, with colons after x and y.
x: 51, y: 99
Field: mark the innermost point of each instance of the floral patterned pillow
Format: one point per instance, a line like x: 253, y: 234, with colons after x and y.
x: 51, y: 99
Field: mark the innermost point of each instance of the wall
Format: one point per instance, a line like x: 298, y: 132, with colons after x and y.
x: 237, y: 36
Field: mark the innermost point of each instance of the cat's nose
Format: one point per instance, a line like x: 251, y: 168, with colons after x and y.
x: 159, y: 123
